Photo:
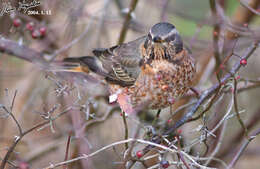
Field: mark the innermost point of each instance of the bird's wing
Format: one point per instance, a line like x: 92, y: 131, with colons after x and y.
x: 122, y: 61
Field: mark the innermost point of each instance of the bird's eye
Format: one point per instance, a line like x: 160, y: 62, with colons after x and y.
x: 170, y: 38
x: 157, y: 39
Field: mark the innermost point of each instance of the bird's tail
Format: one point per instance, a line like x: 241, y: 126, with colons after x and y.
x: 84, y: 64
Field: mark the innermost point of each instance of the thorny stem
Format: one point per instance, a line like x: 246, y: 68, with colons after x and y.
x: 127, y: 21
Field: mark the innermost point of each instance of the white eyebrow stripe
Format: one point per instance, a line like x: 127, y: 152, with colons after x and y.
x: 173, y: 31
x: 150, y: 32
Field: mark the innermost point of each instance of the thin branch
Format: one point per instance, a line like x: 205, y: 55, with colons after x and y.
x: 212, y: 101
x: 216, y: 32
x: 220, y: 140
x: 12, y: 105
x: 18, y: 138
x: 249, y: 7
x: 73, y: 42
x: 67, y: 149
x: 242, y: 148
x: 127, y: 21
x: 13, y: 117
x: 84, y: 156
x: 236, y: 108
x: 126, y: 129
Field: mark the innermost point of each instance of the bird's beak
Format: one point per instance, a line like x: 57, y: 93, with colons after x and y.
x: 157, y: 39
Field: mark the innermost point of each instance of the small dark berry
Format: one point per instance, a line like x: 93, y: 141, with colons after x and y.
x: 139, y: 154
x: 243, y: 62
x: 164, y: 164
x: 30, y: 26
x: 43, y: 31
x: 17, y: 22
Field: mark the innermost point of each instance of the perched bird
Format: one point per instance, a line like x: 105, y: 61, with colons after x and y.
x: 149, y: 72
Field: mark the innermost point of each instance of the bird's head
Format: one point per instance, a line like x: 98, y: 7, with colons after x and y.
x: 163, y: 41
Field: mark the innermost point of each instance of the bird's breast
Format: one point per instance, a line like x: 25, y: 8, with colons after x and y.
x: 159, y: 84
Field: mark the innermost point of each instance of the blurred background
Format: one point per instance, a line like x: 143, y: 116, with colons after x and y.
x: 79, y: 118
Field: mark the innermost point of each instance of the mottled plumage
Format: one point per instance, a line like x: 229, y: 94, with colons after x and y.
x: 152, y: 71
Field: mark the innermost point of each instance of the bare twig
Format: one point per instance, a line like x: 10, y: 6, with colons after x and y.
x: 220, y: 140
x: 11, y: 113
x: 242, y: 148
x: 242, y: 2
x: 67, y: 149
x: 189, y: 157
x: 216, y: 32
x: 19, y: 138
x: 126, y: 128
x: 212, y: 101
x: 73, y: 42
x: 236, y: 108
x: 127, y: 21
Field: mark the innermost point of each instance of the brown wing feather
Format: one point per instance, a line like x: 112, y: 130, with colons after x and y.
x: 122, y: 61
